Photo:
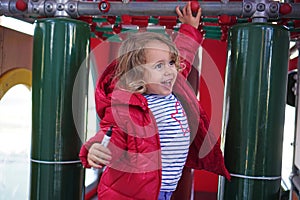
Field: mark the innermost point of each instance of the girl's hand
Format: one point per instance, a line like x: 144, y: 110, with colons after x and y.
x: 186, y: 15
x: 98, y: 156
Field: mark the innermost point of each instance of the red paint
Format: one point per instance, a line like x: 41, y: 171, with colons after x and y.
x: 285, y: 8
x: 21, y: 5
x: 194, y: 6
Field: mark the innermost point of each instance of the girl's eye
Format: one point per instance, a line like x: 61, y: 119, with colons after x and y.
x: 158, y: 66
x: 172, y: 63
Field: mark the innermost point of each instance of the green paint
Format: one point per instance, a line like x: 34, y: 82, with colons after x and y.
x: 255, y: 95
x: 61, y: 46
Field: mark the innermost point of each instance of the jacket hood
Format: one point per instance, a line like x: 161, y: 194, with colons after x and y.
x: 104, y: 89
x: 107, y: 93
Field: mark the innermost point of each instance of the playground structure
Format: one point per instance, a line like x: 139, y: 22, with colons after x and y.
x: 258, y: 35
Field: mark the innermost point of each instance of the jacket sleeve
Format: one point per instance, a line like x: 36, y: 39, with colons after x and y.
x: 188, y: 42
x: 86, y: 146
x: 117, y: 142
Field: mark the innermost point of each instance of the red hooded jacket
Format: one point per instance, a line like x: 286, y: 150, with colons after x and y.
x: 135, y: 169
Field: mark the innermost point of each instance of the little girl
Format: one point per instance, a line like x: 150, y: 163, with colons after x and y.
x: 158, y: 125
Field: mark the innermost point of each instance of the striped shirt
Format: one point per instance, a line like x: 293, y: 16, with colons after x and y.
x: 174, y: 136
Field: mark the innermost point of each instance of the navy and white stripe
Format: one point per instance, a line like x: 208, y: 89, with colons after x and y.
x: 174, y: 136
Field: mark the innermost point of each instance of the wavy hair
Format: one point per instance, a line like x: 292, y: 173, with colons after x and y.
x: 132, y: 57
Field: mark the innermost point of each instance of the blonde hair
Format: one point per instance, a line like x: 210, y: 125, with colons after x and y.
x: 129, y: 72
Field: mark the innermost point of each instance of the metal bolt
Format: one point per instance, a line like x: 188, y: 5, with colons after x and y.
x: 49, y: 7
x: 35, y: 9
x: 60, y: 7
x: 260, y: 7
x: 71, y: 7
x: 103, y: 6
x: 273, y: 7
x: 247, y: 7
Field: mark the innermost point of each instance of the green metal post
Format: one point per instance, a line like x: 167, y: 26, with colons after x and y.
x: 254, y: 110
x: 61, y: 47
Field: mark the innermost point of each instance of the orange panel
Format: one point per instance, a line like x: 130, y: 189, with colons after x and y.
x: 16, y: 50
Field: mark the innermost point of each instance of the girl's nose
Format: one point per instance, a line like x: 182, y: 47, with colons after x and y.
x: 167, y: 70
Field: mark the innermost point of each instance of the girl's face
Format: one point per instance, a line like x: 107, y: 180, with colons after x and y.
x: 160, y: 69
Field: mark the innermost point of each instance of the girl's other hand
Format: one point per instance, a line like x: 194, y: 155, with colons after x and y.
x: 98, y: 156
x: 186, y: 15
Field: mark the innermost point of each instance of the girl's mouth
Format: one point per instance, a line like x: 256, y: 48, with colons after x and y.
x: 167, y: 83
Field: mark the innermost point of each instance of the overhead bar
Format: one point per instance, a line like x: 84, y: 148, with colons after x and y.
x: 264, y: 10
x: 158, y: 8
